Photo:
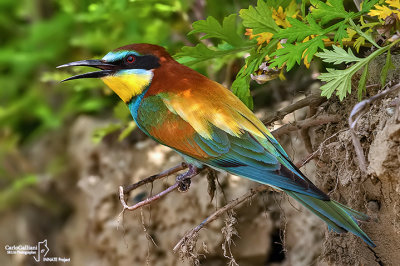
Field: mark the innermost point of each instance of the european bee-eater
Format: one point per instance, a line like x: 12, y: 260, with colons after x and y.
x: 208, y: 125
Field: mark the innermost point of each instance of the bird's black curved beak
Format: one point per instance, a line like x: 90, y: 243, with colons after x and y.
x: 106, y: 69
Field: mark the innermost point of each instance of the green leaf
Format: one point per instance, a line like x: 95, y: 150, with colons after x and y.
x: 338, y: 55
x: 241, y: 88
x: 362, y: 82
x: 193, y: 55
x: 231, y: 43
x: 332, y: 9
x: 340, y: 80
x: 259, y: 18
x: 299, y: 30
x: 341, y: 33
x: 367, y: 5
x: 303, y: 7
x: 292, y: 54
x: 366, y: 35
x: 241, y: 85
x: 279, y: 3
x: 358, y: 43
x: 337, y: 80
x: 388, y: 65
x: 212, y: 29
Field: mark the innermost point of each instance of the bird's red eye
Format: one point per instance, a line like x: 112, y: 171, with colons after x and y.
x: 130, y: 59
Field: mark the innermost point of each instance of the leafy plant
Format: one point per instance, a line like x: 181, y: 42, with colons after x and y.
x: 288, y: 35
x: 229, y: 41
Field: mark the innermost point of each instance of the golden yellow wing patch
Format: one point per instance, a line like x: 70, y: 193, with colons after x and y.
x: 214, y: 105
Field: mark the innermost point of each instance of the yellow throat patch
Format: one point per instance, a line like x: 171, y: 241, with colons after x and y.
x: 129, y: 83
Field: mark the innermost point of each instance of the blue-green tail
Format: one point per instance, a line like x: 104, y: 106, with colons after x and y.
x: 338, y: 217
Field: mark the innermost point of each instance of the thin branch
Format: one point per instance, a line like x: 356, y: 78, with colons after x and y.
x: 182, y: 184
x: 146, y: 201
x: 312, y: 99
x: 312, y: 111
x: 358, y: 4
x: 152, y: 178
x: 315, y: 153
x: 306, y: 123
x: 358, y: 110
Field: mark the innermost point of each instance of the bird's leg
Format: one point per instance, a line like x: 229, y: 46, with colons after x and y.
x: 184, y: 179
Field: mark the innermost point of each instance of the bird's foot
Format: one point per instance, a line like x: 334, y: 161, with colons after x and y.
x: 184, y: 180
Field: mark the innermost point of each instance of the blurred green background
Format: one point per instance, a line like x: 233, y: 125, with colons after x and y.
x: 38, y: 35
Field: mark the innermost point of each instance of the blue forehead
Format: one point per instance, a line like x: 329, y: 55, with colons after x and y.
x: 114, y: 56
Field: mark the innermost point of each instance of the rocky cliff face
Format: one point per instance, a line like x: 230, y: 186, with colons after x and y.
x: 374, y: 192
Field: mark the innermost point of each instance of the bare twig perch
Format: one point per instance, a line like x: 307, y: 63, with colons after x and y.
x: 152, y: 178
x: 182, y: 184
x: 312, y: 99
x: 306, y: 123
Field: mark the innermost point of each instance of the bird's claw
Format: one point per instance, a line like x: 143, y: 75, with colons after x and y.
x: 184, y: 185
x: 184, y: 180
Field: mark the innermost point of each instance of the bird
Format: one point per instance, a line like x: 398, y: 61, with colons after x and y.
x: 209, y: 126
